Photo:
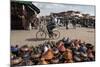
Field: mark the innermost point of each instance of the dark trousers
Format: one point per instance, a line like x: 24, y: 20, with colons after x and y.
x: 50, y: 32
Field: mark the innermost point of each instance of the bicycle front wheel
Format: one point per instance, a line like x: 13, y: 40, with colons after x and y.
x: 40, y: 35
x: 56, y: 34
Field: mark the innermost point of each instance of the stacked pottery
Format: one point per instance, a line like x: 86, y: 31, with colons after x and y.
x: 68, y: 55
x: 55, y: 60
x: 42, y: 61
x: 35, y: 53
x: 55, y: 51
x: 48, y: 55
x: 16, y: 60
x: 24, y: 48
x: 61, y: 47
x: 15, y: 50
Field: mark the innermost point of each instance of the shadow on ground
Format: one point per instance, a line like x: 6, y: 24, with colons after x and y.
x: 37, y: 39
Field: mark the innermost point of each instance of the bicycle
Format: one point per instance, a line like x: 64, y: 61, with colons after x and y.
x: 42, y: 34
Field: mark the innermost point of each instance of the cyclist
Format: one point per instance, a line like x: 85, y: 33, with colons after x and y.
x: 50, y: 26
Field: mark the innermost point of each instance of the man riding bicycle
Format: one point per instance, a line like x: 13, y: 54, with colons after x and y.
x: 50, y: 26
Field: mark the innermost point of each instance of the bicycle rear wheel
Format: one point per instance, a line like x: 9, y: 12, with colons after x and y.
x: 56, y: 34
x: 40, y: 35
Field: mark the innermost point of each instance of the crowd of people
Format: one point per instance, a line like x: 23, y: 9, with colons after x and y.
x: 65, y: 50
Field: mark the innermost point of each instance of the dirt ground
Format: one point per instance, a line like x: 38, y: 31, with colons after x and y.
x: 23, y: 37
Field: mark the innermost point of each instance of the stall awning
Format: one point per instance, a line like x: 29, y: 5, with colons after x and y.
x: 29, y: 4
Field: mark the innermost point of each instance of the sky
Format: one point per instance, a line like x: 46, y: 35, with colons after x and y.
x: 47, y: 8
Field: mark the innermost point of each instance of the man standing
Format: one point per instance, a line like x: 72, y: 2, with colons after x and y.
x: 66, y: 22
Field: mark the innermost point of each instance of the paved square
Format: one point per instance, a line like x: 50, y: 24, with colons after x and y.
x: 22, y: 37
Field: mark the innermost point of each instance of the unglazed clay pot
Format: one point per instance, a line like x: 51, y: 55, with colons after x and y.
x: 48, y: 55
x: 16, y: 61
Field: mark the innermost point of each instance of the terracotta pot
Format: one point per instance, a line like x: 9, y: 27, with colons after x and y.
x: 35, y: 55
x: 55, y: 51
x: 61, y: 47
x: 43, y: 61
x: 48, y: 55
x: 16, y: 61
x: 24, y: 49
x: 69, y: 61
x: 54, y: 61
x: 68, y: 54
